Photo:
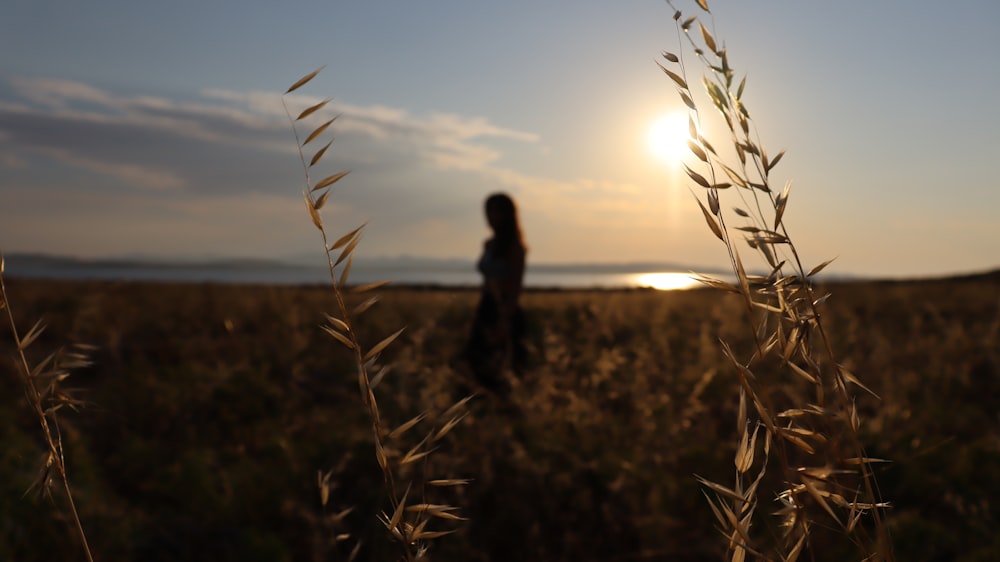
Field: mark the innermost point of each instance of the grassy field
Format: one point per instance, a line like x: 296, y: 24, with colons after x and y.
x: 213, y: 407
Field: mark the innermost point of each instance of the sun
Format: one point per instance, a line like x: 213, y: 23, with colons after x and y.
x: 667, y: 137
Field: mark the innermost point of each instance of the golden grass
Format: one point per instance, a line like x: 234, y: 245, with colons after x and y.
x: 411, y: 524
x: 214, y: 406
x: 42, y: 386
x: 809, y: 430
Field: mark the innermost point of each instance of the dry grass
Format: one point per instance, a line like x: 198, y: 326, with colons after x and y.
x: 798, y: 401
x: 214, y: 406
x: 42, y: 385
x: 412, y: 522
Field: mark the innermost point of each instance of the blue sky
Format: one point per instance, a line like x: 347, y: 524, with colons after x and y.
x: 156, y: 129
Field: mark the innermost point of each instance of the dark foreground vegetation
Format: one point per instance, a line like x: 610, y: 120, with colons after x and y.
x: 212, y: 408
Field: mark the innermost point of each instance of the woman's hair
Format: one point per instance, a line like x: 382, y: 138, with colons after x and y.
x: 506, y: 230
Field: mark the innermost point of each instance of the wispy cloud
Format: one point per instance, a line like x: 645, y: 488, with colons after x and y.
x: 423, y: 174
x: 55, y: 93
x: 82, y: 125
x: 444, y: 140
x: 219, y: 157
x: 143, y: 177
x: 75, y: 102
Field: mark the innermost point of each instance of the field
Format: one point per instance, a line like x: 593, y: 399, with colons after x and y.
x: 212, y: 408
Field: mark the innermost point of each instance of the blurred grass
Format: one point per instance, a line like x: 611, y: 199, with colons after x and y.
x: 214, y: 406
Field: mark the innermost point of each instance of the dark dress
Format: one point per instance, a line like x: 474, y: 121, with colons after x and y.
x: 487, y: 351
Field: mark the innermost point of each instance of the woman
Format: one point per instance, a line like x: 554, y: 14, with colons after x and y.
x: 498, y: 327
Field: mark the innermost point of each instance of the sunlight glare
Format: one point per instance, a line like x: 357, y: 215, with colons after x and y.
x: 668, y: 135
x: 664, y: 281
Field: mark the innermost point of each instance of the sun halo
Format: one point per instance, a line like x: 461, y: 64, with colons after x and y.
x: 667, y: 137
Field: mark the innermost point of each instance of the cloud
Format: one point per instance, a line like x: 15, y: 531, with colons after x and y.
x: 137, y: 139
x: 445, y: 141
x: 143, y: 177
x: 419, y: 177
x: 146, y: 158
x: 75, y: 102
x: 60, y: 94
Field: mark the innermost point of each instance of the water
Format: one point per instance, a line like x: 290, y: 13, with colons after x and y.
x: 449, y: 274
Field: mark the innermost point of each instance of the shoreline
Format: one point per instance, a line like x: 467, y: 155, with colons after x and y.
x: 992, y: 276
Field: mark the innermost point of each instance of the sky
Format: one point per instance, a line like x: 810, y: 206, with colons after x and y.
x: 157, y: 129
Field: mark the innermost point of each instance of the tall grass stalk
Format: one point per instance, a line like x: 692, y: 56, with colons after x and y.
x: 407, y: 520
x: 41, y: 385
x: 794, y: 392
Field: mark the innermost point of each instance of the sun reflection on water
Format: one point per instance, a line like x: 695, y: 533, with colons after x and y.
x: 666, y: 281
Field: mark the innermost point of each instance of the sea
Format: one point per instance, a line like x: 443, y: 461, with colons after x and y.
x: 401, y: 272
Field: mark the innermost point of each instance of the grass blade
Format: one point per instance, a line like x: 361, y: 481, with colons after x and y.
x: 405, y: 427
x: 31, y: 336
x: 709, y: 40
x: 319, y: 154
x: 318, y: 131
x: 346, y: 253
x: 304, y: 80
x: 698, y: 178
x: 377, y: 348
x: 819, y: 267
x: 330, y: 180
x: 313, y: 213
x: 674, y: 76
x: 321, y: 200
x: 369, y: 286
x: 311, y: 109
x: 339, y: 337
x: 345, y: 238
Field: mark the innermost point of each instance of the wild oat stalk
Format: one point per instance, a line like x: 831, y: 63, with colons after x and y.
x: 41, y: 384
x: 406, y: 522
x: 802, y: 397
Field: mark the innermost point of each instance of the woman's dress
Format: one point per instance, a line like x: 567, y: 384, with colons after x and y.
x: 491, y: 347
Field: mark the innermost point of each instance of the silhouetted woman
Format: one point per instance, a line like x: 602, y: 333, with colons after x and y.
x: 497, y: 332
